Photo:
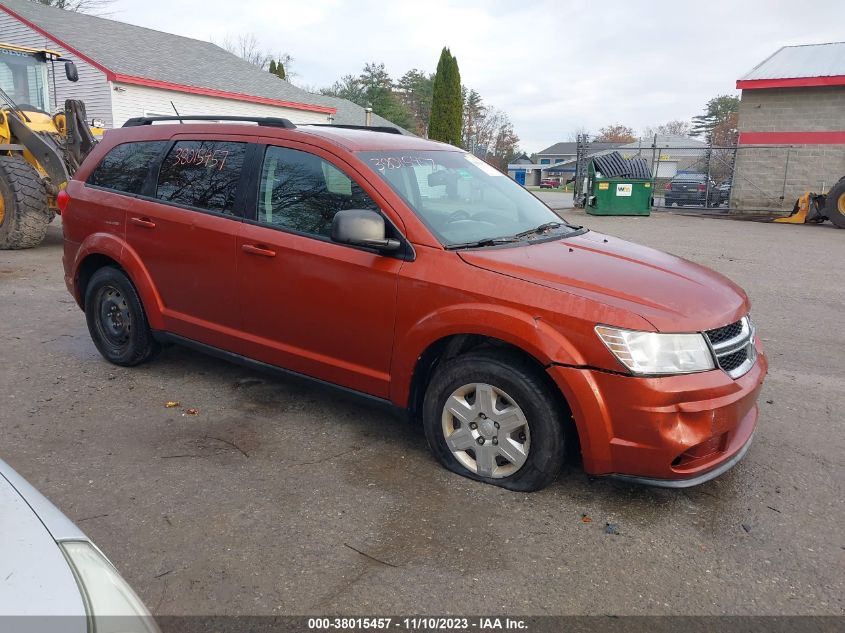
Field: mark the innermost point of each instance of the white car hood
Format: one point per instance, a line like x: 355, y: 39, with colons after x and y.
x: 35, y: 578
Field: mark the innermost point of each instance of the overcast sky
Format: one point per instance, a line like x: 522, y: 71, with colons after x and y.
x: 552, y: 66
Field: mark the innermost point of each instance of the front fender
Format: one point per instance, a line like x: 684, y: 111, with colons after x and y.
x: 530, y: 333
x: 115, y: 248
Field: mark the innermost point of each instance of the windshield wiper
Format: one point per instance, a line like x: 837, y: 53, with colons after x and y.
x: 488, y: 241
x: 539, y: 229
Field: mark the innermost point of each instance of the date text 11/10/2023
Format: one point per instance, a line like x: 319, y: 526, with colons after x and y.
x: 418, y: 623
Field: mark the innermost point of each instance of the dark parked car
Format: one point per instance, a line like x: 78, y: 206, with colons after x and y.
x: 724, y: 192
x: 691, y: 190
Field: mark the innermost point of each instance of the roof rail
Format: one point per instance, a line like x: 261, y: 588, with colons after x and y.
x: 369, y: 128
x: 265, y: 121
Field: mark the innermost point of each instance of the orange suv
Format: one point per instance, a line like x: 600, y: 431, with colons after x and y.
x: 414, y: 274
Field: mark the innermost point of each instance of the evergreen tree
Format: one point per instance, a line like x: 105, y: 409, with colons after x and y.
x: 446, y: 103
x: 719, y: 113
x: 272, y: 66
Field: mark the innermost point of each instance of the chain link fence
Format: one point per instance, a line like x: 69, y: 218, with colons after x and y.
x: 747, y: 178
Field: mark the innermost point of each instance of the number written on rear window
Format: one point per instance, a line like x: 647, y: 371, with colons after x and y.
x: 202, y: 174
x: 126, y: 166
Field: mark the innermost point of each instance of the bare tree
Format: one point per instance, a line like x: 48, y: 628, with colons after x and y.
x: 577, y: 132
x: 95, y: 7
x: 670, y: 128
x: 246, y: 47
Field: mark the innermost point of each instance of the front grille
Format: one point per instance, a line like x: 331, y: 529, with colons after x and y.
x: 725, y: 333
x: 732, y: 361
x: 733, y: 346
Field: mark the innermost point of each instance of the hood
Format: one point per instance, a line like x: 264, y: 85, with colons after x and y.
x: 671, y: 293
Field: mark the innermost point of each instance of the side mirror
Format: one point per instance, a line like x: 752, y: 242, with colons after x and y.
x: 70, y: 72
x: 362, y: 227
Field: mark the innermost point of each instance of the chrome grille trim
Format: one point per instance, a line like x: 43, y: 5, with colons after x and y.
x: 723, y: 349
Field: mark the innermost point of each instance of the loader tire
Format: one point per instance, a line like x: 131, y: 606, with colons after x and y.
x: 834, y: 208
x: 24, y: 214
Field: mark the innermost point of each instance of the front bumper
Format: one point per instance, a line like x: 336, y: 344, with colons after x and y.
x: 672, y: 431
x: 723, y: 467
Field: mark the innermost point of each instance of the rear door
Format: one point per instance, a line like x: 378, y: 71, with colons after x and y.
x: 316, y: 307
x: 185, y: 232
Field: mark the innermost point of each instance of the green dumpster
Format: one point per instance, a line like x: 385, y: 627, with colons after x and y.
x: 618, y: 186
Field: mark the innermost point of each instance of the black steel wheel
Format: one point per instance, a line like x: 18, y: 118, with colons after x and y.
x: 116, y: 319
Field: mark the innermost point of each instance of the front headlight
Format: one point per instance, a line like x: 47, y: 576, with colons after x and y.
x: 111, y: 604
x: 655, y: 353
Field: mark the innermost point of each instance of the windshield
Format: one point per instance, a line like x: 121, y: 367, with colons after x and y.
x: 24, y: 79
x: 461, y: 198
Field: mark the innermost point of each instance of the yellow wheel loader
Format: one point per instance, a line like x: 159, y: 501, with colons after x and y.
x: 39, y: 151
x: 814, y: 208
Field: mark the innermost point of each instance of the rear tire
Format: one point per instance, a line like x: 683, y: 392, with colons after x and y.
x: 500, y: 398
x: 834, y: 208
x: 116, y: 319
x: 24, y: 214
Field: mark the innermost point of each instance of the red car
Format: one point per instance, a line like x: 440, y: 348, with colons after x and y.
x: 549, y: 184
x: 416, y: 275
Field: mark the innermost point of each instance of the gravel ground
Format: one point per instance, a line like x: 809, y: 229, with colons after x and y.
x: 278, y: 498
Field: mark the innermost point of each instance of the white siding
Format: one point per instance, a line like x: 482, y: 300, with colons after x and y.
x: 130, y: 101
x: 92, y: 87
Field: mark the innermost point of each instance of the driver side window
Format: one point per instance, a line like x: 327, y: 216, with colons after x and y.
x: 302, y: 192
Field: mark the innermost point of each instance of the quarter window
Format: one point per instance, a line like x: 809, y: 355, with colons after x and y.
x: 303, y: 192
x: 126, y: 166
x: 202, y: 174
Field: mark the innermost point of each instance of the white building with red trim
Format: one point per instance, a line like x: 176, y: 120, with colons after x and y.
x: 127, y: 71
x: 791, y: 127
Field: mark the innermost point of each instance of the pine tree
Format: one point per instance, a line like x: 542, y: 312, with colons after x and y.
x: 446, y: 104
x: 272, y: 66
x: 718, y: 113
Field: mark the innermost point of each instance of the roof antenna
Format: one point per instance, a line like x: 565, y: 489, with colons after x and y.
x: 177, y: 112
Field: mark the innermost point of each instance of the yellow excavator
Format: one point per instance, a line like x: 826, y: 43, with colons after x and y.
x: 815, y: 208
x: 39, y: 151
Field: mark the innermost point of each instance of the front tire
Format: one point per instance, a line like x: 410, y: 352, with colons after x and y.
x: 116, y: 319
x: 492, y: 417
x: 24, y: 215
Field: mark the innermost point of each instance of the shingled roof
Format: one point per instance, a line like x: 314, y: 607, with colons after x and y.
x: 173, y: 62
x: 570, y: 148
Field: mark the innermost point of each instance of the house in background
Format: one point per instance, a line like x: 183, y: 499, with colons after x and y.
x: 667, y: 155
x: 127, y: 71
x: 562, y: 152
x: 518, y: 169
x: 530, y: 174
x: 791, y: 126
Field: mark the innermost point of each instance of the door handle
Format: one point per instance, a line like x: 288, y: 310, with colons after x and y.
x: 252, y: 249
x: 145, y: 222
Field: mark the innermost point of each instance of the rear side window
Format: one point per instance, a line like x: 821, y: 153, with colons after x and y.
x: 202, y: 174
x: 126, y: 166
